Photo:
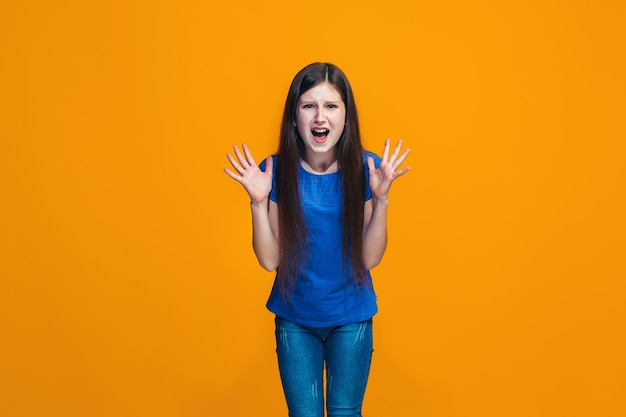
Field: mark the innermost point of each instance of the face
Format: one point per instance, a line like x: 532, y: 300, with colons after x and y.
x: 320, y: 118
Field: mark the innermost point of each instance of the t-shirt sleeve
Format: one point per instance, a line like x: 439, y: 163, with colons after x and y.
x: 366, y: 154
x: 262, y: 165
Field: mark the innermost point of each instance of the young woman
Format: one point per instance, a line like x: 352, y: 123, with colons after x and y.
x: 319, y: 218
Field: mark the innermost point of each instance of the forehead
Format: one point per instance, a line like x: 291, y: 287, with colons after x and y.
x: 321, y: 92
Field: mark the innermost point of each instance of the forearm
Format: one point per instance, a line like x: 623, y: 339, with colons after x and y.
x: 375, y: 234
x: 264, y: 241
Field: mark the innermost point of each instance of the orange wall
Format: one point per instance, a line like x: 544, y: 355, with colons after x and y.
x: 128, y: 284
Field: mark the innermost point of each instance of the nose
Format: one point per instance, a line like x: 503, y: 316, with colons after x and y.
x: 320, y: 116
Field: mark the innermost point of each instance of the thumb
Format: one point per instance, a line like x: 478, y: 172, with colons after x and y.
x: 269, y: 163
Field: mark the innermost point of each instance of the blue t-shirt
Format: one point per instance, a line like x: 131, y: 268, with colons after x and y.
x: 325, y: 294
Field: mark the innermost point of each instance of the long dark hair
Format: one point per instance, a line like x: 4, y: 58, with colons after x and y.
x: 292, y: 228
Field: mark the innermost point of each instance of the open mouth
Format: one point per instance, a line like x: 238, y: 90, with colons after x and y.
x: 320, y: 134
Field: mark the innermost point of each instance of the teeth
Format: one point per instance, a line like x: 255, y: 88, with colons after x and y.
x: 320, y: 130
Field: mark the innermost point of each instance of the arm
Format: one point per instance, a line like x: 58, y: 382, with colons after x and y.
x: 375, y: 216
x: 258, y: 185
x: 265, y: 234
x: 374, y: 232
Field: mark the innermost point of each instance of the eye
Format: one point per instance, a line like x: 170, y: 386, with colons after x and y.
x: 332, y: 106
x: 307, y: 106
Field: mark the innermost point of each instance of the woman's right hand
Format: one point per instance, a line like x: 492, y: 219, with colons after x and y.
x: 257, y: 183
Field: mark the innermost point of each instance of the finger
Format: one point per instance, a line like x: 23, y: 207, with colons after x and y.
x: 234, y: 163
x: 399, y: 161
x: 401, y: 172
x: 396, y: 151
x: 232, y: 175
x: 241, y: 158
x: 370, y: 163
x: 269, y: 163
x: 386, y: 150
x: 249, y: 157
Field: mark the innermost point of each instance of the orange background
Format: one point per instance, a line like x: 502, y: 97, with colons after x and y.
x: 128, y: 283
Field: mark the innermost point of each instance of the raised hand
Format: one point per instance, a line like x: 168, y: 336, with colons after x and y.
x: 382, y: 177
x: 257, y: 183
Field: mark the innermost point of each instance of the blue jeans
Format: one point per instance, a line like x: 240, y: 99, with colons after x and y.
x: 302, y: 351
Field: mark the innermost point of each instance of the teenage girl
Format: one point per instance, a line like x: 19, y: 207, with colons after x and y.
x: 319, y: 219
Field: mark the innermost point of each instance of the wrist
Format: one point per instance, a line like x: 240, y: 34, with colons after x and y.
x: 259, y: 204
x: 382, y: 201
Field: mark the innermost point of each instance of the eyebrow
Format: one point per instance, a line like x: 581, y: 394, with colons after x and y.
x: 314, y: 101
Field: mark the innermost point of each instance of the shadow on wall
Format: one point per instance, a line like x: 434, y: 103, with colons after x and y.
x: 257, y: 392
x: 392, y: 391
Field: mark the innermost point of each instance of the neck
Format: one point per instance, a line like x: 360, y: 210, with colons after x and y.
x: 320, y: 164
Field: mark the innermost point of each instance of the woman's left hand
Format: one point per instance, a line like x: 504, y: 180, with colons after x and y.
x: 382, y: 177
